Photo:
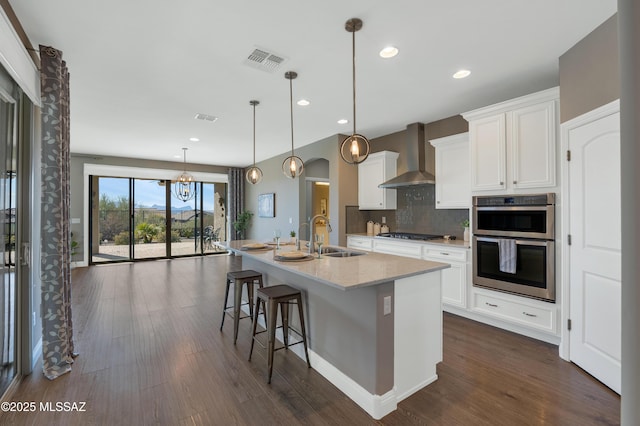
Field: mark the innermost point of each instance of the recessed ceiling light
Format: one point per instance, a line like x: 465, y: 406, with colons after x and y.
x: 303, y: 102
x: 343, y: 121
x: 194, y: 139
x: 205, y: 117
x: 462, y: 74
x: 389, y: 52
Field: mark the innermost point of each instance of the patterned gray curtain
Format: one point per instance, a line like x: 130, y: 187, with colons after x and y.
x: 57, y: 327
x: 236, y: 197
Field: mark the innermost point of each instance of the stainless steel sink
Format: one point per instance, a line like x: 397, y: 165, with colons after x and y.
x: 340, y: 252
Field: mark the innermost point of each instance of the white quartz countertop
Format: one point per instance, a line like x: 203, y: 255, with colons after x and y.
x: 343, y: 272
x: 458, y: 242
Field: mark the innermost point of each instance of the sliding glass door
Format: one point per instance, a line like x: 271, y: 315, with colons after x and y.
x: 149, y: 218
x: 111, y: 219
x: 135, y: 219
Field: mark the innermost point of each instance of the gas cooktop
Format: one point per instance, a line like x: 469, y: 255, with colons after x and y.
x: 411, y: 236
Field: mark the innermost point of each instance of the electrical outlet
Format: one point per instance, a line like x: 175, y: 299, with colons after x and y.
x: 386, y: 310
x: 290, y: 220
x: 34, y: 319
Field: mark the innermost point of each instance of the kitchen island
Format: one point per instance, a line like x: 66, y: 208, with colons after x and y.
x: 374, y: 321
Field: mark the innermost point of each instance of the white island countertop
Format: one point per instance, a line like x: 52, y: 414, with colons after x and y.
x: 343, y: 272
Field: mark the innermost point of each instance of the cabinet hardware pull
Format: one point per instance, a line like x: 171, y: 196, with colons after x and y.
x: 515, y: 181
x: 438, y: 202
x: 529, y: 315
x: 491, y: 304
x: 445, y: 254
x: 501, y: 183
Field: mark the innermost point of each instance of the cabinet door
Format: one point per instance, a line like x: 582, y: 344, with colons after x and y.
x: 533, y: 146
x: 370, y: 175
x: 454, y: 285
x: 378, y: 168
x: 453, y: 190
x: 488, y: 153
x: 361, y: 243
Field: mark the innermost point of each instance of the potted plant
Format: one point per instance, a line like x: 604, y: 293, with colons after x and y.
x: 465, y: 234
x: 242, y: 224
x: 292, y: 234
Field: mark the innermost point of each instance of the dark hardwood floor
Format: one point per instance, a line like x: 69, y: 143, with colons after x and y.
x: 151, y: 353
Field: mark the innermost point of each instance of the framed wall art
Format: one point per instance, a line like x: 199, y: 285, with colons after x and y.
x: 267, y: 205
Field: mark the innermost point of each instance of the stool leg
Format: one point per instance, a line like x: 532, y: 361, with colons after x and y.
x: 304, y: 332
x: 237, y: 301
x: 284, y: 313
x: 224, y: 304
x: 250, y: 296
x: 255, y: 324
x: 272, y: 314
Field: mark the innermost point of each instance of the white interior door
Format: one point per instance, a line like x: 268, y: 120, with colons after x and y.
x: 595, y: 269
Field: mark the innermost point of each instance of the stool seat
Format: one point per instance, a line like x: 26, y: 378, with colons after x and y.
x: 240, y: 278
x: 270, y: 297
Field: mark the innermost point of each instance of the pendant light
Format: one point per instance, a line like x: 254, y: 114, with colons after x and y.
x: 185, y: 187
x: 292, y: 166
x: 355, y: 148
x: 254, y: 174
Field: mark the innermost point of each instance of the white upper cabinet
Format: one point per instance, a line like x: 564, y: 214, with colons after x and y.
x: 453, y: 190
x: 376, y: 169
x: 513, y: 144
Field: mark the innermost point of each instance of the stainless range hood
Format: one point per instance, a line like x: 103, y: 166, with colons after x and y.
x: 416, y: 173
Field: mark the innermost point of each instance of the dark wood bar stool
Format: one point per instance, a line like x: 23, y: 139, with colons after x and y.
x: 239, y: 278
x: 270, y: 297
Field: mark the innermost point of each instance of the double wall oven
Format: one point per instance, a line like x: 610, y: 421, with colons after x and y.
x: 514, y: 244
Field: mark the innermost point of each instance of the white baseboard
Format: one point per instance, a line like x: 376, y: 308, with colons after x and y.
x: 416, y: 388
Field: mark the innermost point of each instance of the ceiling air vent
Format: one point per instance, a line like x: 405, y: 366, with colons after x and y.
x: 205, y: 117
x: 264, y: 60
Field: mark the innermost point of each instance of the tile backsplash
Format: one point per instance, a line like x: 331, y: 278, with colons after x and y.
x: 416, y: 212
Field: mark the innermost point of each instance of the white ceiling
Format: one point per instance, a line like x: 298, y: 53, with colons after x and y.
x: 141, y: 69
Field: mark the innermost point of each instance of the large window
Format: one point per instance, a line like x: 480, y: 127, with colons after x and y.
x: 9, y: 214
x: 136, y: 218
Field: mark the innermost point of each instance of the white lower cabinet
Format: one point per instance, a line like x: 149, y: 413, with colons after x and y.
x: 360, y: 243
x: 533, y: 314
x: 454, y: 279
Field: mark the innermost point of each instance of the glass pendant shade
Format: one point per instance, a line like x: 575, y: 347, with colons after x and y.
x: 185, y: 184
x: 355, y: 148
x: 292, y: 166
x: 254, y: 174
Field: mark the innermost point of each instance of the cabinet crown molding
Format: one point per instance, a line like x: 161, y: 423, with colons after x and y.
x: 459, y: 137
x: 531, y: 99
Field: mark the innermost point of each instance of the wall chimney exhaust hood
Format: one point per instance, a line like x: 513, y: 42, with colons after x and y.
x: 416, y: 173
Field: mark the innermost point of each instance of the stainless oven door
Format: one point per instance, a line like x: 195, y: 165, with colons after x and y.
x: 535, y: 268
x: 515, y: 221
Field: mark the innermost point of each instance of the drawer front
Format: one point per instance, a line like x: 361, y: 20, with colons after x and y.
x: 520, y: 313
x: 360, y: 243
x: 398, y: 248
x: 445, y: 254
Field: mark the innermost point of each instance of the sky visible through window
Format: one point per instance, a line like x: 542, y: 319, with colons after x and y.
x: 115, y: 188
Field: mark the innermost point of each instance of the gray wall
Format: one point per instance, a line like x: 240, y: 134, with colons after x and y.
x: 590, y: 72
x: 416, y: 210
x: 291, y: 194
x: 79, y: 198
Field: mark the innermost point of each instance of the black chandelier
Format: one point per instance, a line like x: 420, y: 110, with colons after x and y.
x: 185, y: 185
